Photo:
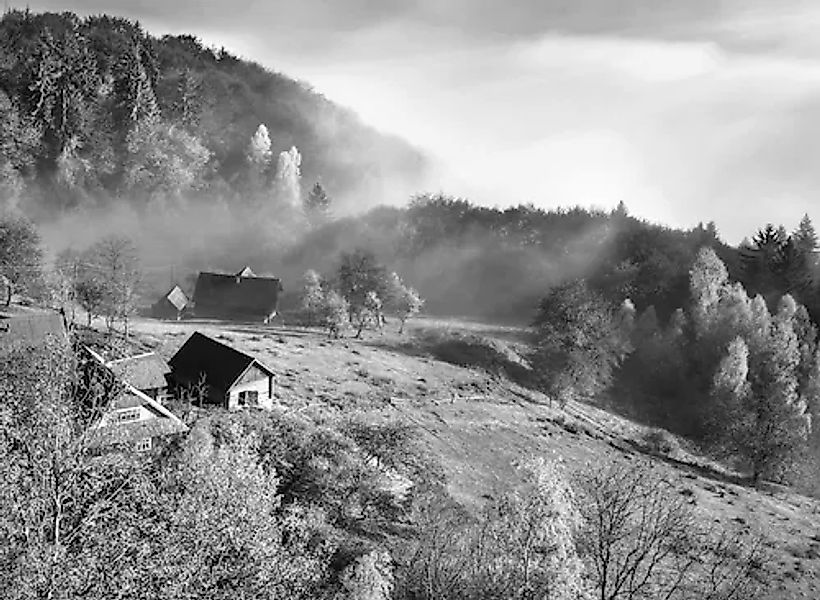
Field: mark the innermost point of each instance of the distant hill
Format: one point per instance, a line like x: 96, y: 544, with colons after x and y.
x: 96, y: 107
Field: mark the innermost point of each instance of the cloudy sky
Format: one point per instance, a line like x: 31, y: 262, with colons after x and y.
x: 687, y: 110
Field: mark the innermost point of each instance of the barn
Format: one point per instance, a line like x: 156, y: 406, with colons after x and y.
x: 237, y: 296
x: 232, y: 378
x: 171, y: 305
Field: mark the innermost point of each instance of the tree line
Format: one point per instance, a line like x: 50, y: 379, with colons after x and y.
x: 725, y: 369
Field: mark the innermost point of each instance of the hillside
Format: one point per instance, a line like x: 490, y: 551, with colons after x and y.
x: 81, y: 98
x: 479, y: 424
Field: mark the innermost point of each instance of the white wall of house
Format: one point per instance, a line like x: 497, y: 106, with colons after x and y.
x: 263, y: 388
x: 126, y: 415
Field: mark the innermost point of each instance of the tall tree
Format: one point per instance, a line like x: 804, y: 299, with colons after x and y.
x: 113, y: 263
x: 359, y: 275
x: 577, y: 342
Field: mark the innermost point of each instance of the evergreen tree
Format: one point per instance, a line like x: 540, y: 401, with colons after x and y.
x: 317, y: 203
x: 805, y: 236
x: 133, y: 95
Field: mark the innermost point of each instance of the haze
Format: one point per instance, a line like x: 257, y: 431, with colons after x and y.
x: 687, y: 111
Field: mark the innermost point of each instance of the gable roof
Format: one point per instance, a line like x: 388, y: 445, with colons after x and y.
x: 176, y: 298
x: 143, y: 371
x: 246, y: 272
x: 236, y: 294
x: 30, y: 329
x: 221, y: 364
x: 164, y: 422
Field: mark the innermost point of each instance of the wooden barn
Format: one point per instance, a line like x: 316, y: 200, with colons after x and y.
x: 232, y: 378
x: 171, y: 305
x: 241, y: 296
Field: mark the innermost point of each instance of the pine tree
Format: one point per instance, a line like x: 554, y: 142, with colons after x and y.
x: 317, y: 203
x: 134, y: 99
x: 805, y: 236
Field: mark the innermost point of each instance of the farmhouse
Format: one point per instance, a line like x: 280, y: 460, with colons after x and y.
x: 232, y: 378
x: 23, y: 330
x: 147, y: 372
x: 241, y: 296
x: 131, y: 419
x: 135, y: 421
x: 171, y: 305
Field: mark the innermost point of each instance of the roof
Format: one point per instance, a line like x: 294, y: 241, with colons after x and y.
x: 236, y: 294
x: 164, y: 422
x: 246, y: 272
x: 143, y: 371
x: 221, y: 364
x: 176, y: 297
x: 31, y: 329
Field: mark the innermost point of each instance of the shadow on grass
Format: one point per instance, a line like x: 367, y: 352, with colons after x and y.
x: 465, y: 350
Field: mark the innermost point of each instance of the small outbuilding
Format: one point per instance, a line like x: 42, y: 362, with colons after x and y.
x: 236, y: 296
x: 231, y: 378
x: 171, y: 305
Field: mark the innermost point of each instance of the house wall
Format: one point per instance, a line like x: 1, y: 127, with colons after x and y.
x: 111, y: 418
x: 263, y: 387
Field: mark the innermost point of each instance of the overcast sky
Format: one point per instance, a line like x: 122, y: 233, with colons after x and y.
x: 688, y: 110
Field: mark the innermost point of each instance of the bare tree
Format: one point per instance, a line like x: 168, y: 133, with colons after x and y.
x: 643, y: 540
x: 113, y: 262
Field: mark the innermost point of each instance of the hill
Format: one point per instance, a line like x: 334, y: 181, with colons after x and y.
x: 96, y: 107
x: 479, y: 423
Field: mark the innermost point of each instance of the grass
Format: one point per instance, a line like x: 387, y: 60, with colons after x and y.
x: 459, y: 384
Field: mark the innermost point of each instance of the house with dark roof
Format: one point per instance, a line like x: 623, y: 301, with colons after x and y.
x: 129, y: 419
x: 171, y: 305
x: 230, y: 378
x: 237, y: 296
x: 147, y: 372
x: 29, y: 329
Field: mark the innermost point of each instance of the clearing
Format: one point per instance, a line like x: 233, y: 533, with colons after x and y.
x: 463, y: 385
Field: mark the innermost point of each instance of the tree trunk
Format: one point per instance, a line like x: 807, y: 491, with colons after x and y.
x: 8, y: 290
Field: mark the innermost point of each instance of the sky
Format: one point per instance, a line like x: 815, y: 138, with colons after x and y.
x: 687, y: 110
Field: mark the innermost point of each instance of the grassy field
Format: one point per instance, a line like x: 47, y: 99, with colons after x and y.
x: 464, y: 386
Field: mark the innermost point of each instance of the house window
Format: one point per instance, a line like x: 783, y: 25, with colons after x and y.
x: 127, y: 415
x: 143, y: 445
x: 248, y: 398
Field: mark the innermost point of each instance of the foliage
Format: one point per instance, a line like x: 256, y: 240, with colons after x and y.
x: 363, y: 283
x: 317, y: 204
x: 312, y: 298
x: 405, y: 302
x: 20, y: 253
x: 577, y: 342
x: 96, y: 107
x: 522, y: 545
x: 335, y: 312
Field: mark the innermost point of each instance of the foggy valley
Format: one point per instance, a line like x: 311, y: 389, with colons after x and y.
x: 407, y: 334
